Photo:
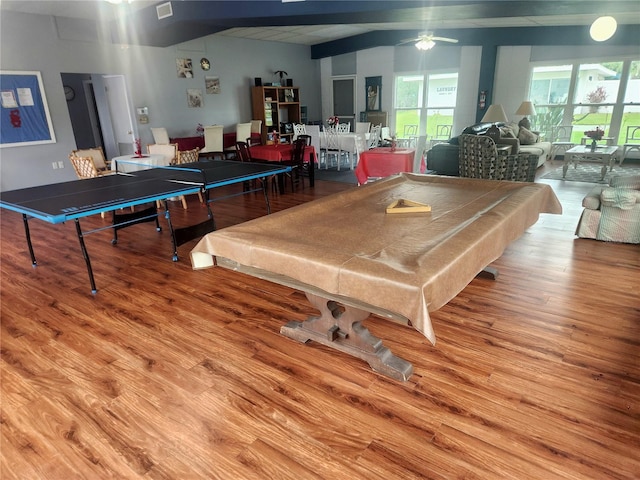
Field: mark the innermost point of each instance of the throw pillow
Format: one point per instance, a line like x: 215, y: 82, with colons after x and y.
x: 506, y: 132
x: 526, y: 137
x: 514, y: 128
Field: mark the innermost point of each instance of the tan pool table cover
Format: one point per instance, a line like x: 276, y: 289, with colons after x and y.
x: 410, y: 264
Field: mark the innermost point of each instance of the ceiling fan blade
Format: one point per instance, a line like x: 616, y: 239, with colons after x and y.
x: 444, y: 39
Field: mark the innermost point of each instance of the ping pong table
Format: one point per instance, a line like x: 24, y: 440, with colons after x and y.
x: 60, y: 202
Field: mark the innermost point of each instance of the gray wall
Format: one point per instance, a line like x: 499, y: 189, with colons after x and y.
x: 51, y: 46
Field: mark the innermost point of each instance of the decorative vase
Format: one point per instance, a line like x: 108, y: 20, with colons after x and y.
x: 594, y: 144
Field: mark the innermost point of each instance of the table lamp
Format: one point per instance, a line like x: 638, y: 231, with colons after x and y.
x: 526, y: 108
x: 494, y: 114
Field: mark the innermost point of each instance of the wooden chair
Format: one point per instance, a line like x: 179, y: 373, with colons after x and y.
x: 85, y: 167
x: 631, y: 142
x: 213, y: 142
x: 97, y: 154
x: 168, y: 150
x: 374, y: 136
x: 188, y: 156
x: 297, y: 163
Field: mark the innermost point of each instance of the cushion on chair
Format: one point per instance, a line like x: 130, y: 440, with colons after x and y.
x: 527, y: 137
x: 624, y: 198
x: 592, y: 200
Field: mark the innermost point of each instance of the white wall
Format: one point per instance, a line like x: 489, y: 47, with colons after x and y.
x: 512, y: 79
x: 38, y: 43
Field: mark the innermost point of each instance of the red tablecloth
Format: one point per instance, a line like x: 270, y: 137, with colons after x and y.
x: 382, y: 162
x: 189, y: 143
x: 282, y: 152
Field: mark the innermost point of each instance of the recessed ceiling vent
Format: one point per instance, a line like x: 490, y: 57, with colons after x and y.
x: 164, y: 10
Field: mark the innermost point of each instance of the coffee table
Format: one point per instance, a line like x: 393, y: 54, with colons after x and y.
x: 605, y: 155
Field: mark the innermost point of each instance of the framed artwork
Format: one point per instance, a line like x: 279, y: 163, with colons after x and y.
x: 185, y: 67
x: 194, y: 97
x: 25, y: 118
x: 374, y: 96
x: 212, y: 84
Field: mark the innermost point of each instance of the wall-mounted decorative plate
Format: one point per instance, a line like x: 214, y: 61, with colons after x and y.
x: 205, y: 64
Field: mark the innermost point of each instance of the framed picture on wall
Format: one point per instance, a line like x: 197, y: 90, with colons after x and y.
x: 25, y: 118
x: 185, y: 67
x: 194, y: 97
x: 212, y: 85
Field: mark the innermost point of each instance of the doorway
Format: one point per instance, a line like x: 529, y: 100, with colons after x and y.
x: 99, y: 111
x: 344, y: 99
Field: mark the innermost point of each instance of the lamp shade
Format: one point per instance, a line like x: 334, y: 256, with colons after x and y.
x: 526, y: 108
x: 494, y: 114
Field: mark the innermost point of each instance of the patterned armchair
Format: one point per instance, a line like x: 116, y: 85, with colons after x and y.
x: 478, y: 157
x: 612, y: 212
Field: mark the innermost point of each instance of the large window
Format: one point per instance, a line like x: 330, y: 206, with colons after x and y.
x: 423, y: 103
x: 587, y: 95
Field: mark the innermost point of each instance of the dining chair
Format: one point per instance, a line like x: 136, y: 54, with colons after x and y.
x: 97, y: 154
x: 213, y: 142
x: 560, y: 140
x: 374, y: 136
x: 256, y: 126
x: 243, y: 154
x: 85, y: 167
x: 160, y: 135
x: 331, y: 148
x: 314, y: 132
x: 631, y: 142
x: 363, y: 127
x: 299, y: 129
x: 243, y: 131
x: 297, y: 164
x: 188, y: 156
x: 443, y: 134
x: 168, y: 150
x: 344, y: 127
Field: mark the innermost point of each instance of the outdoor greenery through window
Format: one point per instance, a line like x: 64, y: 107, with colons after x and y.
x: 586, y: 96
x: 423, y: 103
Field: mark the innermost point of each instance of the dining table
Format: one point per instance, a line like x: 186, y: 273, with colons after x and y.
x: 381, y: 162
x: 281, y: 152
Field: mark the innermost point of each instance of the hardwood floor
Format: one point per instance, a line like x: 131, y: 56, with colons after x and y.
x: 171, y: 373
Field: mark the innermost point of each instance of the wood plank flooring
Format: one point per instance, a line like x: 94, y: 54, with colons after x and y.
x: 170, y: 373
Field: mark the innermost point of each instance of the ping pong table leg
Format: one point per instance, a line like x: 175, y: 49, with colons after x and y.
x: 265, y: 190
x: 174, y: 243
x: 85, y: 254
x: 25, y: 219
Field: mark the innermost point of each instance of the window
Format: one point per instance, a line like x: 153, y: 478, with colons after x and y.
x: 586, y: 96
x: 423, y: 102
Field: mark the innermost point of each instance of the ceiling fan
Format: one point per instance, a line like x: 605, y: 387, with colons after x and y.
x: 427, y: 41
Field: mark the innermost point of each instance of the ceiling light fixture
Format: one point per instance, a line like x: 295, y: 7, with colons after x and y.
x: 425, y: 44
x: 603, y: 28
x: 118, y: 2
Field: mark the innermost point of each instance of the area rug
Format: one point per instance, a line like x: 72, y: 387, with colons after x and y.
x: 333, y: 175
x: 591, y: 172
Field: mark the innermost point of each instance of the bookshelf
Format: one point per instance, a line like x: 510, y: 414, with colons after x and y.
x: 276, y: 107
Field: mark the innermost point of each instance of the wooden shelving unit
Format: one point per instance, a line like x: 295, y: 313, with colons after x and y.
x: 276, y: 106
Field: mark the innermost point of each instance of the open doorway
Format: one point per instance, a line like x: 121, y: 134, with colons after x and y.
x: 344, y: 100
x: 99, y: 111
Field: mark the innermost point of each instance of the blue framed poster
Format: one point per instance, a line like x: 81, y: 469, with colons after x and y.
x: 24, y: 113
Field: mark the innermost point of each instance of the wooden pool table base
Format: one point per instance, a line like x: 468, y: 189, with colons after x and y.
x: 340, y: 327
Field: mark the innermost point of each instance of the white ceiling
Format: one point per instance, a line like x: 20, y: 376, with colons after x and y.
x: 313, y: 34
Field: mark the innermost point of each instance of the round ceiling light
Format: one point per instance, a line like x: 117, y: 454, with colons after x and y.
x: 603, y: 28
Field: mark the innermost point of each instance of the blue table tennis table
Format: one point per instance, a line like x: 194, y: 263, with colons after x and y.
x: 60, y: 202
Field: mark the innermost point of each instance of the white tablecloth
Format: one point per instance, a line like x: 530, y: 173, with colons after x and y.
x: 348, y: 142
x: 130, y: 163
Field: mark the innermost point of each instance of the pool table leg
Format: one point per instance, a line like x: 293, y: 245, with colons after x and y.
x: 340, y: 327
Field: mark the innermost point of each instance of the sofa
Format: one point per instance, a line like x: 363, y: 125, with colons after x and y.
x: 612, y: 212
x: 442, y: 158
